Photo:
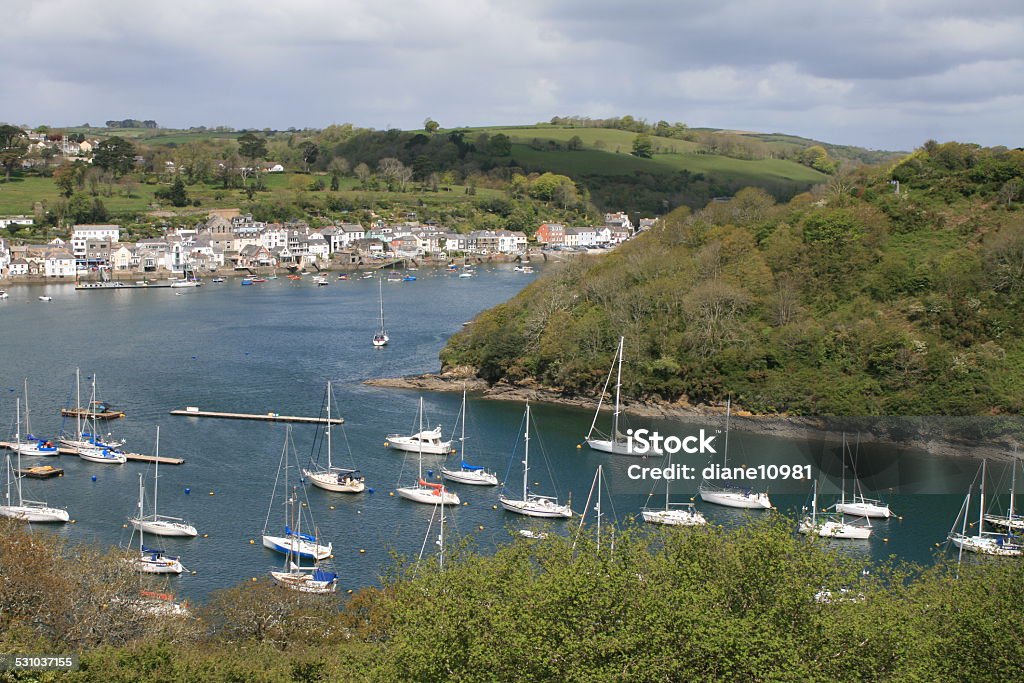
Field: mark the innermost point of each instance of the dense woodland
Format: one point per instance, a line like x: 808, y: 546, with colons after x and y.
x: 852, y: 299
x: 702, y: 604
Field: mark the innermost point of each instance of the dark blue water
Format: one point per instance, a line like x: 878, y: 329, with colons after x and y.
x: 272, y: 347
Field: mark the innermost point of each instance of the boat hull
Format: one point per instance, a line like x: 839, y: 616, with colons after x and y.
x: 29, y: 513
x: 619, y: 448
x: 303, y: 583
x: 297, y: 547
x: 405, y: 443
x: 428, y: 496
x: 32, y: 450
x: 103, y: 457
x: 162, y: 527
x: 737, y: 499
x: 536, y: 508
x: 674, y: 517
x: 330, y: 481
x: 1014, y: 524
x: 986, y: 545
x: 833, y: 529
x: 160, y: 565
x: 864, y: 509
x: 475, y: 477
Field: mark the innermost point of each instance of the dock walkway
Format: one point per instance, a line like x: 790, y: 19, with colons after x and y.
x: 137, y: 457
x: 265, y: 417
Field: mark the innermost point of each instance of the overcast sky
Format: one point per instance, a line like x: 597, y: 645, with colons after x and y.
x: 885, y: 75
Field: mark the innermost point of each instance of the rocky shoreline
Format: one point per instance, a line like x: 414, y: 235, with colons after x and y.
x: 937, y: 435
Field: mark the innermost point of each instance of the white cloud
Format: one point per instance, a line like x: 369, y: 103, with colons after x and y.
x: 826, y: 69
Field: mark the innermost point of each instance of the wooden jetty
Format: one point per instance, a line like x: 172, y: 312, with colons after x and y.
x: 89, y: 286
x: 138, y: 457
x: 41, y: 472
x: 192, y: 411
x: 90, y: 414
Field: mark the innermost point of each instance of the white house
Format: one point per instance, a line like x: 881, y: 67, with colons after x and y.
x: 19, y: 266
x: 59, y: 263
x: 83, y: 233
x: 8, y: 221
x: 121, y: 257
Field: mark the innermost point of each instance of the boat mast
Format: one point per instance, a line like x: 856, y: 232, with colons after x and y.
x: 28, y: 423
x: 600, y: 473
x: 156, y: 472
x: 843, y: 499
x: 526, y: 451
x: 141, y: 515
x: 981, y: 501
x: 17, y: 477
x: 725, y: 451
x: 419, y: 443
x: 329, y: 425
x: 380, y: 287
x: 78, y: 404
x: 618, y: 389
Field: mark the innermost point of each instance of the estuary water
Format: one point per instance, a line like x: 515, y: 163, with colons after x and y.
x: 272, y: 347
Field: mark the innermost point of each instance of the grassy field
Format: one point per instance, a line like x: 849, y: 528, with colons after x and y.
x: 606, y: 139
x: 593, y: 162
x: 19, y: 196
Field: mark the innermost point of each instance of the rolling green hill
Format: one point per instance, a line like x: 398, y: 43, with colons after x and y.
x: 851, y: 301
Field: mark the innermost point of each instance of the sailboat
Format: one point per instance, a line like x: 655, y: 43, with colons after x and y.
x: 293, y: 542
x: 597, y: 487
x: 615, y: 442
x: 304, y: 579
x: 333, y: 478
x: 1012, y: 520
x: 984, y: 542
x: 89, y: 445
x: 829, y: 525
x: 381, y: 338
x: 467, y: 473
x: 32, y: 445
x: 157, y: 524
x: 424, y: 491
x: 439, y: 541
x: 673, y: 514
x: 429, y: 441
x: 732, y: 496
x: 153, y: 560
x: 531, y: 504
x: 26, y: 510
x: 859, y: 506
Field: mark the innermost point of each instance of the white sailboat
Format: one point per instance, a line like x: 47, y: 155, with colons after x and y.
x: 859, y: 506
x: 88, y: 445
x: 26, y: 510
x: 381, y: 338
x: 423, y: 491
x: 829, y: 525
x: 467, y: 473
x: 157, y: 524
x: 1012, y: 521
x: 293, y: 542
x: 531, y: 504
x: 331, y: 478
x: 673, y: 514
x: 153, y: 560
x: 728, y: 495
x: 296, y: 577
x: 983, y: 542
x: 597, y: 487
x: 33, y: 445
x: 615, y: 442
x: 428, y: 441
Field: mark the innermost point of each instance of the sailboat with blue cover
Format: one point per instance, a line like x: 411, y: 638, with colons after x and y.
x: 293, y: 542
x: 468, y: 473
x: 296, y: 577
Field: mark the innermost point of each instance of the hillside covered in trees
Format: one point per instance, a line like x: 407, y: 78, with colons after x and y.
x: 853, y: 299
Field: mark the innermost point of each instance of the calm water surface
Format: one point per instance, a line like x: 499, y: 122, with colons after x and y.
x: 272, y: 347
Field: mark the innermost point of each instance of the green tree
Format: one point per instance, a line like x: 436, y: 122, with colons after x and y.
x: 13, y: 148
x: 642, y: 146
x: 500, y: 145
x: 575, y: 143
x: 67, y: 176
x: 115, y: 154
x: 176, y: 193
x: 310, y: 152
x: 431, y: 126
x: 253, y: 148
